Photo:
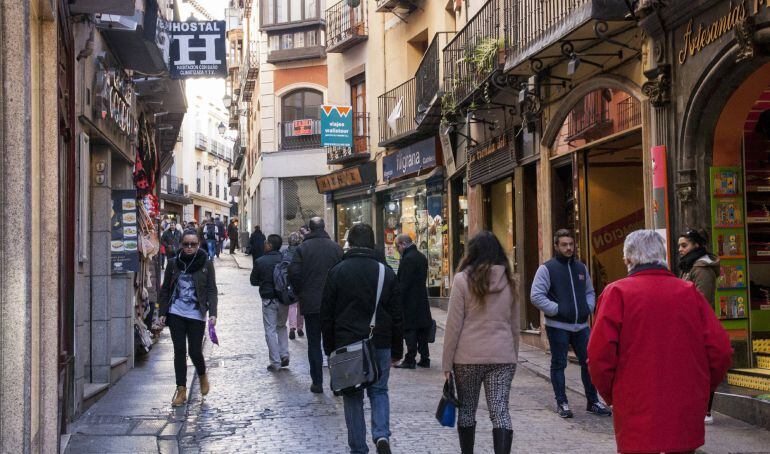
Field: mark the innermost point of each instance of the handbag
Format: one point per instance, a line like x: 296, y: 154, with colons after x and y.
x: 213, y: 334
x: 446, y: 413
x: 354, y: 366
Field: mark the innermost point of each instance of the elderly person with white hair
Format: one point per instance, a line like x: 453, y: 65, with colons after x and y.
x: 656, y: 352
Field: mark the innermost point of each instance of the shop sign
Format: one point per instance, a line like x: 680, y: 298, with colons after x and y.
x: 660, y: 193
x: 302, y: 128
x: 124, y: 241
x: 197, y: 49
x: 339, y: 180
x: 411, y: 159
x: 614, y: 234
x: 697, y: 38
x: 337, y: 126
x: 446, y: 147
x: 114, y: 93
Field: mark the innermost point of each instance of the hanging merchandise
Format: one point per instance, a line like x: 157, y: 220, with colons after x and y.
x: 141, y: 179
x: 148, y: 238
x: 151, y: 204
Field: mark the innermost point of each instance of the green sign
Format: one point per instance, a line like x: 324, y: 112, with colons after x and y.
x: 337, y: 126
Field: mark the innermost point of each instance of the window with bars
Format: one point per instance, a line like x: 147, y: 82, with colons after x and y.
x: 300, y: 201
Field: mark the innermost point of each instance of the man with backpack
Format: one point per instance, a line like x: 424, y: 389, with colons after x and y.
x: 211, y: 235
x: 275, y: 311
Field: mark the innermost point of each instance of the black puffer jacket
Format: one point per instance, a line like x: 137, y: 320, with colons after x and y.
x: 348, y: 303
x: 307, y: 272
x: 262, y: 274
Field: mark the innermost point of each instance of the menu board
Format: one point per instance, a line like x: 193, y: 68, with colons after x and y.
x: 124, y: 244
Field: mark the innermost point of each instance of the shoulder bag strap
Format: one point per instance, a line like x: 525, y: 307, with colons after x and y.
x: 380, y: 282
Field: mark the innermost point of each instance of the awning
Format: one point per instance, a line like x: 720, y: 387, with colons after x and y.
x: 141, y: 41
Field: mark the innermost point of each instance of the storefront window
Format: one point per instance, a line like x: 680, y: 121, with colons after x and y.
x: 350, y: 213
x: 500, y: 213
x: 460, y: 216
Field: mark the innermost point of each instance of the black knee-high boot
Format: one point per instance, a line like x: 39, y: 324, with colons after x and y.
x: 467, y: 438
x: 502, y: 439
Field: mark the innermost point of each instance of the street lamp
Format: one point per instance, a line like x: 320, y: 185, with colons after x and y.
x: 227, y: 100
x: 222, y: 128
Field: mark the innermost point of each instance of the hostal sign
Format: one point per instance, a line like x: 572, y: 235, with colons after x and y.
x: 197, y: 49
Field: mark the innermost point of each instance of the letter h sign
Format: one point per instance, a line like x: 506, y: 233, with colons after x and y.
x: 198, y: 50
x: 185, y: 50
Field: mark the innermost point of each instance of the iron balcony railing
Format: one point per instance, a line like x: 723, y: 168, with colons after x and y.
x: 629, y: 113
x: 360, y: 149
x: 252, y: 61
x: 529, y: 21
x: 345, y: 26
x: 473, y: 55
x: 299, y: 134
x: 174, y: 185
x: 201, y: 141
x: 397, y: 112
x: 430, y: 73
x: 591, y: 113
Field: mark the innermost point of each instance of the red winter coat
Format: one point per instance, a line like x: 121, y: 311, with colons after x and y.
x: 656, y: 351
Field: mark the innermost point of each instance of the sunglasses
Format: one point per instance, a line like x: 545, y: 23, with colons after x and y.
x: 190, y: 244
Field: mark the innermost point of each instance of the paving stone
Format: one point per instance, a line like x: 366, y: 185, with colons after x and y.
x: 112, y: 444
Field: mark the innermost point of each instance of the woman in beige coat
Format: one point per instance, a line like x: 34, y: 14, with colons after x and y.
x: 481, y: 342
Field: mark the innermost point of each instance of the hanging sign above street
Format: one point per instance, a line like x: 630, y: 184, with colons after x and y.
x: 197, y: 49
x: 337, y: 126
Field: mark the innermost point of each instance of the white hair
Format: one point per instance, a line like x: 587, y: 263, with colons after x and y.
x: 644, y: 247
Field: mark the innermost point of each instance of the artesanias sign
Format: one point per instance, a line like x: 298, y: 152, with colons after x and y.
x: 197, y: 49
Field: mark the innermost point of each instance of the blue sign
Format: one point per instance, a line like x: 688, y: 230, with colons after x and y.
x: 411, y: 159
x: 337, y: 126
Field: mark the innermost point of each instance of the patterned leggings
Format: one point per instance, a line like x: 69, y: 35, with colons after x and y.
x: 497, y: 380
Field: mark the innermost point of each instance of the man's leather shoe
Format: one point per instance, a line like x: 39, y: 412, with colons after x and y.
x: 424, y: 363
x: 316, y: 389
x: 405, y: 365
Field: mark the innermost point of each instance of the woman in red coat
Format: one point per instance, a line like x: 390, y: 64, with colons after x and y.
x: 656, y: 351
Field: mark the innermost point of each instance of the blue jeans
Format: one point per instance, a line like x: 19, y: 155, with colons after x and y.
x: 212, y: 247
x: 378, y: 398
x: 560, y: 341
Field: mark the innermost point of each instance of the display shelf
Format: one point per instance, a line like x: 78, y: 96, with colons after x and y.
x: 732, y: 257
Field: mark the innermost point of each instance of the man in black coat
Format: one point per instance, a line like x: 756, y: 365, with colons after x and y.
x: 412, y: 279
x: 256, y: 244
x: 307, y: 274
x: 171, y: 240
x: 349, y: 300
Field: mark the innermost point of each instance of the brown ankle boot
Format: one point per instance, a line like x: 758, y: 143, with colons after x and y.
x: 180, y: 396
x: 204, y: 381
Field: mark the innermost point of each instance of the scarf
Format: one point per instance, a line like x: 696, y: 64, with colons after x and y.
x: 686, y: 263
x: 190, y: 263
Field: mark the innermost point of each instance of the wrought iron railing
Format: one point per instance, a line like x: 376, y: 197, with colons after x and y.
x: 171, y: 184
x: 589, y: 114
x: 528, y: 21
x: 201, y: 141
x: 299, y: 134
x: 360, y: 149
x: 345, y: 26
x: 430, y: 73
x: 471, y: 56
x: 251, y: 60
x: 629, y: 113
x: 397, y: 110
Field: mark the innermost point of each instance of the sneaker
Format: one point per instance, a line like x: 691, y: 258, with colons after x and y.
x: 292, y: 334
x: 300, y: 333
x: 272, y: 368
x: 599, y: 409
x: 316, y: 389
x: 564, y: 411
x: 383, y: 446
x: 708, y: 420
x: 285, y: 362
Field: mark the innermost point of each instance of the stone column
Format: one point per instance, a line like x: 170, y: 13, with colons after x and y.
x: 101, y: 207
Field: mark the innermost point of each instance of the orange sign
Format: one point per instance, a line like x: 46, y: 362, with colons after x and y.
x: 338, y: 180
x: 302, y: 128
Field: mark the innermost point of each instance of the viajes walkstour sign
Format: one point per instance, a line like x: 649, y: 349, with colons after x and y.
x: 197, y: 49
x: 337, y: 126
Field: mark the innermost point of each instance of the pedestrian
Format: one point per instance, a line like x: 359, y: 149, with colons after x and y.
x: 221, y: 232
x: 562, y: 289
x: 296, y: 321
x: 232, y: 233
x: 188, y: 292
x: 274, y: 312
x: 212, y: 238
x: 170, y: 240
x: 699, y: 266
x: 256, y: 244
x: 349, y: 301
x: 656, y: 351
x: 307, y: 273
x: 412, y: 282
x: 481, y: 339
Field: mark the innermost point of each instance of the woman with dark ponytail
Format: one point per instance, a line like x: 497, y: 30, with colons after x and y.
x: 188, y: 292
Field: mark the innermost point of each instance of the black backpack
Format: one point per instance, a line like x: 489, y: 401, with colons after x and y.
x: 211, y: 232
x: 283, y: 289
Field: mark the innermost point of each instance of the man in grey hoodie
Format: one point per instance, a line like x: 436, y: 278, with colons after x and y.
x: 562, y: 289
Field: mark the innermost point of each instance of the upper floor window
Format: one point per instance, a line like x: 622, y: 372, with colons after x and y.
x: 301, y: 105
x: 284, y: 11
x: 296, y: 40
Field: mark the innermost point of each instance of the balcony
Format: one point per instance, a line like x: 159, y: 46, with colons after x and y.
x: 232, y: 121
x: 430, y: 73
x: 360, y: 149
x: 474, y: 54
x: 345, y: 26
x: 250, y: 71
x: 201, y: 141
x: 396, y: 113
x: 388, y: 6
x: 299, y: 134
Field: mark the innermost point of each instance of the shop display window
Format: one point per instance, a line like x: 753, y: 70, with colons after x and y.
x: 350, y: 213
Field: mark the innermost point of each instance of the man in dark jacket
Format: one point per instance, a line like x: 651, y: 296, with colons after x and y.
x: 256, y: 244
x: 562, y: 289
x: 349, y: 300
x: 412, y: 282
x: 221, y: 231
x: 232, y: 234
x: 171, y: 240
x: 307, y: 274
x: 274, y: 313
